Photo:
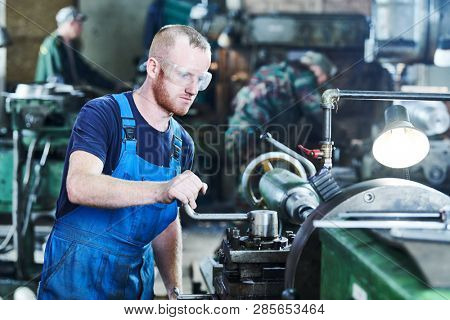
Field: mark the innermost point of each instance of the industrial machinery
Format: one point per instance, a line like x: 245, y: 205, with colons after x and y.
x: 406, y: 221
x: 415, y: 37
x: 36, y: 125
x: 265, y: 263
x: 402, y: 257
x: 252, y: 265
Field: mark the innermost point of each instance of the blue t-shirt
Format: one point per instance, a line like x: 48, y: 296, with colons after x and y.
x: 98, y: 130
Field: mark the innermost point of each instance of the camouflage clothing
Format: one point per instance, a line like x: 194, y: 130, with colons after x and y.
x: 280, y: 98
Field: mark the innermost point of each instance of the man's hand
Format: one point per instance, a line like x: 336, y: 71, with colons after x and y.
x: 184, y: 188
x: 173, y: 293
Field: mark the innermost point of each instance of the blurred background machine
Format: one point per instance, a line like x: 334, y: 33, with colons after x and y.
x: 37, y: 121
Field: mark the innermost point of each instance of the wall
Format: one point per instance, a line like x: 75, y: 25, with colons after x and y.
x: 113, y: 33
x: 28, y: 23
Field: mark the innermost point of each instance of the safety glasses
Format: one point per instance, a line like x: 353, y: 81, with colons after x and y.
x: 183, y: 77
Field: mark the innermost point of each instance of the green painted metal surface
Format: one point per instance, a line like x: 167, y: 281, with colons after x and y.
x: 356, y: 265
x: 49, y: 188
x: 6, y: 174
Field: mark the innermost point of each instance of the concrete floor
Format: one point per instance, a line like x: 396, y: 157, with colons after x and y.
x: 200, y: 240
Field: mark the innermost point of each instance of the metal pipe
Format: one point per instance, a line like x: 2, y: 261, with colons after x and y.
x: 326, y: 125
x: 32, y: 191
x: 311, y: 170
x: 378, y: 224
x: 214, y: 216
x: 335, y: 95
x: 16, y: 191
x: 329, y: 101
x: 30, y: 153
x: 390, y: 215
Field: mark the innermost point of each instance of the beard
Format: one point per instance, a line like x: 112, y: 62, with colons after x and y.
x: 164, y: 100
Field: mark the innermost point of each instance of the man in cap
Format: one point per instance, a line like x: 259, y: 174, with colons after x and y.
x: 59, y: 61
x: 281, y: 98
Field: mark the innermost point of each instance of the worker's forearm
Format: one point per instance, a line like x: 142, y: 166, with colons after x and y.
x: 108, y: 192
x: 167, y: 250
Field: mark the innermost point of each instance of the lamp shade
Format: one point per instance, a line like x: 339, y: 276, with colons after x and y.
x: 400, y: 145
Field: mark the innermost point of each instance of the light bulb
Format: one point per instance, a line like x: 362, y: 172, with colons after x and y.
x: 401, y: 147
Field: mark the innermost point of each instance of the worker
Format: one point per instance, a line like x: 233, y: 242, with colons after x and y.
x: 59, y: 61
x: 121, y: 181
x: 280, y: 98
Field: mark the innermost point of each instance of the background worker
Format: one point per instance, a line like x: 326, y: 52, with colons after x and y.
x: 60, y: 61
x: 281, y: 98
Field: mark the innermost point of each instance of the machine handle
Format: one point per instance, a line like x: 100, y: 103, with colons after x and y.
x: 214, y: 216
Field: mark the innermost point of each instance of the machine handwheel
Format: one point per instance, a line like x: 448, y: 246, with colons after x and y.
x: 262, y: 164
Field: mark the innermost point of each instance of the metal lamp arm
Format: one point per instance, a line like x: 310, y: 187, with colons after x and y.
x: 331, y: 97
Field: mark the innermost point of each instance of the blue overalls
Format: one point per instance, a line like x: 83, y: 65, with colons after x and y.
x: 106, y: 253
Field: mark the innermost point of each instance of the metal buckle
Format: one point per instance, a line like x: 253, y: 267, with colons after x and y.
x: 130, y: 133
x: 176, y: 149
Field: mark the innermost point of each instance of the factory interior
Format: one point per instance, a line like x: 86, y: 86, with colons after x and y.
x: 323, y: 137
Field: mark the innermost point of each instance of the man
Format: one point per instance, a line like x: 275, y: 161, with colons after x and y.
x: 280, y: 98
x: 121, y: 180
x: 59, y: 61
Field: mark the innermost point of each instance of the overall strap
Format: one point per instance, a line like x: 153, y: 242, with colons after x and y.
x: 128, y: 123
x: 177, y: 143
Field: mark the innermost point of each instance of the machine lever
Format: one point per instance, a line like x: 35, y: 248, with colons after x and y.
x: 214, y: 216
